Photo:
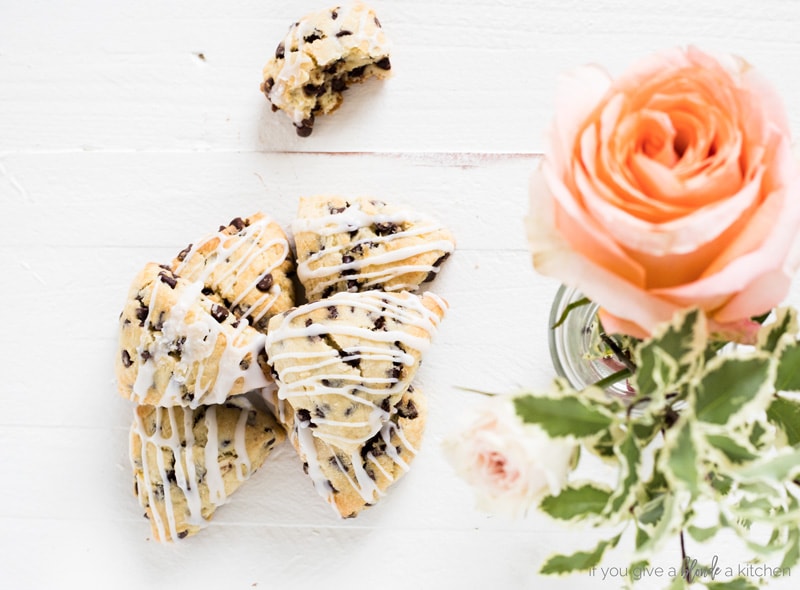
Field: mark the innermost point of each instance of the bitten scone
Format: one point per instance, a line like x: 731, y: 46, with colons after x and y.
x: 361, y: 244
x: 178, y: 347
x: 188, y: 462
x: 246, y: 265
x: 353, y: 480
x: 322, y: 54
x: 342, y: 363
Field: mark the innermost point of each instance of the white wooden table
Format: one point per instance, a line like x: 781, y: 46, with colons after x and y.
x: 129, y: 128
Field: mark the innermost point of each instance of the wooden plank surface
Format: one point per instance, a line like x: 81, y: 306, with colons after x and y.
x: 127, y: 129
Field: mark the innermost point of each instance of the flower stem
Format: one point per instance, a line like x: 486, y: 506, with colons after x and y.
x: 687, y: 574
x: 618, y: 352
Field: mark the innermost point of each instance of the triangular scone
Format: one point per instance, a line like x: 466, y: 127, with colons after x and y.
x: 344, y: 362
x: 246, y: 266
x: 361, y: 244
x: 178, y: 347
x: 322, y: 54
x: 353, y: 480
x: 188, y: 462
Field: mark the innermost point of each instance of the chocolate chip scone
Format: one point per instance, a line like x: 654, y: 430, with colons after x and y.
x: 353, y: 480
x: 322, y: 54
x: 188, y: 462
x: 344, y: 362
x: 246, y: 266
x: 178, y: 347
x: 360, y: 244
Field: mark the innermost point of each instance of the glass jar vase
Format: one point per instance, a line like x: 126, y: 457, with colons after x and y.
x: 574, y: 345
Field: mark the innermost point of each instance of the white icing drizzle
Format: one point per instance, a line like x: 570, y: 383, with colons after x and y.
x: 366, y: 487
x: 199, y: 333
x: 184, y: 470
x: 247, y: 245
x: 368, y: 38
x: 408, y: 310
x: 389, y: 262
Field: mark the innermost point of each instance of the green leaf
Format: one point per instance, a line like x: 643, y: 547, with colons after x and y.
x: 729, y: 384
x: 701, y: 535
x: 642, y: 538
x: 628, y: 454
x: 769, y: 336
x: 778, y: 469
x: 575, y: 503
x: 681, y: 458
x: 721, y: 482
x: 757, y: 434
x: 788, y: 377
x: 735, y: 452
x: 574, y: 305
x: 653, y: 511
x: 792, y: 555
x: 580, y: 561
x: 565, y: 416
x: 602, y: 445
x: 785, y: 414
x: 735, y: 584
x: 682, y: 341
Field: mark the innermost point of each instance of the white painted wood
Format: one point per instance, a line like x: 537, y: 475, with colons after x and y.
x: 120, y: 143
x: 474, y: 76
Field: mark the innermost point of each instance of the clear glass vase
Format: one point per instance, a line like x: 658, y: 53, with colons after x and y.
x: 574, y: 345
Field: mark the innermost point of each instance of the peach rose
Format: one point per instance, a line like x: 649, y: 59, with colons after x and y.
x: 673, y: 186
x: 510, y: 464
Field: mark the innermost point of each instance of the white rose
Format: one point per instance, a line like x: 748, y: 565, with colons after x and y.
x: 510, y: 464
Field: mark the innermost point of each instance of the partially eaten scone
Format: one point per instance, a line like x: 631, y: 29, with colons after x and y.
x: 322, y: 54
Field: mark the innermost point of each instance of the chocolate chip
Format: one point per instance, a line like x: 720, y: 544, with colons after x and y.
x: 352, y: 284
x: 219, y: 313
x: 319, y: 412
x: 441, y: 259
x: 280, y: 51
x: 331, y: 69
x: 385, y: 406
x: 328, y: 291
x: 349, y: 272
x: 384, y: 64
x: 310, y: 90
x: 303, y: 415
x: 357, y: 72
x: 171, y: 476
x: 225, y: 443
x: 386, y: 229
x: 145, y: 355
x: 126, y: 359
x: 334, y: 14
x: 141, y: 315
x: 357, y: 249
x: 377, y: 22
x: 335, y: 210
x: 238, y: 223
x: 159, y: 324
x: 182, y: 254
x: 269, y: 83
x: 344, y: 33
x: 305, y: 467
x: 408, y: 411
x: 306, y: 127
x: 312, y: 37
x: 168, y: 279
x: 265, y: 283
x: 338, y: 84
x: 207, y: 291
x: 333, y: 313
x: 396, y: 371
x: 379, y: 324
x: 309, y: 321
x: 347, y: 259
x: 183, y: 534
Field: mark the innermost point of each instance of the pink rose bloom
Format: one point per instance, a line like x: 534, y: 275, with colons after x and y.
x: 672, y: 186
x: 510, y: 465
